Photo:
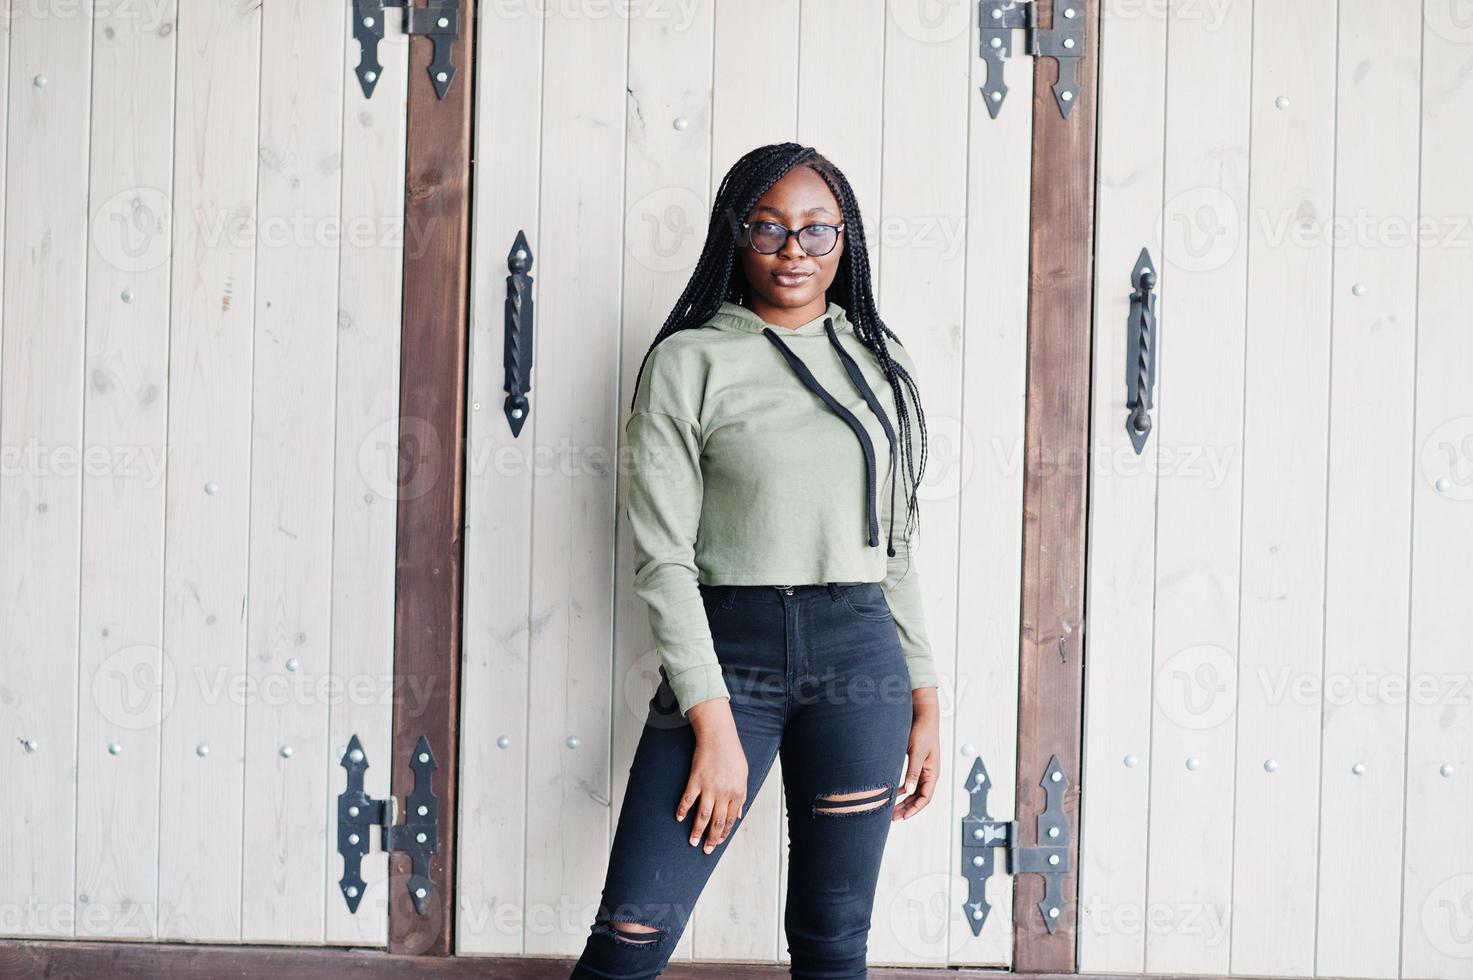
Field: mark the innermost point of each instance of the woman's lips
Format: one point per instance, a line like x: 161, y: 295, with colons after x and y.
x: 790, y: 279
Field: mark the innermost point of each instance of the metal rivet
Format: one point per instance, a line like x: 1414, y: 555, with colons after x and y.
x: 1447, y: 769
x: 441, y: 77
x: 1056, y: 776
x: 968, y: 749
x: 126, y: 296
x: 1282, y: 102
x: 292, y: 665
x: 1359, y: 289
x: 30, y: 745
x: 1131, y: 760
x: 424, y: 757
x: 1053, y: 913
x: 286, y: 751
x: 420, y: 892
x: 202, y: 750
x: 352, y: 891
x: 371, y: 76
x: 114, y: 749
x: 356, y: 755
x: 976, y: 913
x: 997, y: 42
x: 996, y: 14
x: 40, y: 81
x: 475, y: 406
x: 1359, y: 768
x: 212, y: 488
x: 980, y: 779
x: 1068, y: 42
x: 503, y: 742
x: 368, y: 22
x: 1443, y: 485
x: 423, y: 810
x: 352, y: 811
x: 443, y: 22
x: 681, y: 122
x: 996, y: 96
x: 1068, y: 11
x: 352, y: 838
x: 1067, y: 96
x: 1053, y: 859
x: 978, y: 861
x: 421, y: 838
x: 977, y: 833
x: 1271, y: 765
x: 516, y: 413
x: 1192, y: 763
x: 1053, y: 831
x: 573, y: 741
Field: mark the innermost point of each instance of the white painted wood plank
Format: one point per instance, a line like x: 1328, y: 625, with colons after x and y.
x: 41, y: 352
x: 922, y: 279
x: 366, y: 491
x: 1368, y: 556
x: 1122, y: 500
x: 1285, y: 433
x: 1438, y: 883
x: 577, y: 411
x: 1199, y: 425
x: 292, y: 444
x: 751, y: 109
x: 125, y: 427
x: 492, y: 915
x: 985, y: 448
x: 212, y: 317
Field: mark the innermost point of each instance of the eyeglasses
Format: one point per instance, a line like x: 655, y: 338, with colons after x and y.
x: 769, y: 237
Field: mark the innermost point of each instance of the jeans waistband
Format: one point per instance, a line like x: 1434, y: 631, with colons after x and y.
x: 776, y: 593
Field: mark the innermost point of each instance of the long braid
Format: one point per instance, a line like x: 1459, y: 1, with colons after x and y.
x: 713, y: 282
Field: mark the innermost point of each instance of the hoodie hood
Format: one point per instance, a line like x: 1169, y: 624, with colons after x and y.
x: 734, y: 316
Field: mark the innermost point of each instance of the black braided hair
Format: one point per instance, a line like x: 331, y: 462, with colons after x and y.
x: 713, y: 281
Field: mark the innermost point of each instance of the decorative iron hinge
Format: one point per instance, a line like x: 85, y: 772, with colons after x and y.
x: 981, y: 835
x: 416, y: 836
x: 1064, y: 42
x: 439, y: 21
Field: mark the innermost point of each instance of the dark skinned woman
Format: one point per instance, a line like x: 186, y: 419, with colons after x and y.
x: 770, y: 414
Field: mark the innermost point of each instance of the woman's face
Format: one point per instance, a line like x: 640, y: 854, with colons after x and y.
x: 791, y: 278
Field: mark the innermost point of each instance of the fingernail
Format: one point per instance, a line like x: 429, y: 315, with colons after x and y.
x: 709, y: 848
x: 694, y: 841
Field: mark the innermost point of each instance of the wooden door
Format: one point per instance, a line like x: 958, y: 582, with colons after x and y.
x: 1277, y: 727
x: 202, y: 250
x: 603, y: 138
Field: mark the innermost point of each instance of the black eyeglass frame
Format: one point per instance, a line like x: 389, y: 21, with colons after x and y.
x: 747, y: 236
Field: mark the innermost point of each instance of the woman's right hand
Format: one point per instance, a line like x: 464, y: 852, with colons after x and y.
x: 718, y: 774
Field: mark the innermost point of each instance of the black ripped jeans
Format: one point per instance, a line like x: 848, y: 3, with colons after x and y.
x: 815, y: 673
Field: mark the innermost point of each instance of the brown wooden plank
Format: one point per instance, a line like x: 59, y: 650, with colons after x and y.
x: 1056, y: 446
x: 427, y: 600
x: 21, y: 960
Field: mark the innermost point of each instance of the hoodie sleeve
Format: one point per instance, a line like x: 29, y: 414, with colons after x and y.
x: 664, y: 507
x: 902, y: 583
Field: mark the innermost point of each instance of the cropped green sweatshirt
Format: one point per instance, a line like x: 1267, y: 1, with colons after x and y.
x: 757, y: 457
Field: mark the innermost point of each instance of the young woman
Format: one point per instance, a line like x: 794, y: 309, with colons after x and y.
x: 769, y: 415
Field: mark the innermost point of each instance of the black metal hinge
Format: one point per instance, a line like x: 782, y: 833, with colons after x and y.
x: 439, y: 21
x: 416, y: 836
x: 1064, y: 42
x: 981, y: 835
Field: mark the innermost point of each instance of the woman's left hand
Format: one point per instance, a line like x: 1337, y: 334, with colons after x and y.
x: 924, y: 752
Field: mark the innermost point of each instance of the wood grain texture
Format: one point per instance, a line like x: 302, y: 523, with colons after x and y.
x: 432, y: 382
x: 1051, y: 664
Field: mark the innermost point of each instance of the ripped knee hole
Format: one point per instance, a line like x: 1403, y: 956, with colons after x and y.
x: 635, y: 932
x: 861, y: 801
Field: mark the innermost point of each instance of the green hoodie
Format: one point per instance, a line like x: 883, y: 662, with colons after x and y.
x: 741, y: 474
